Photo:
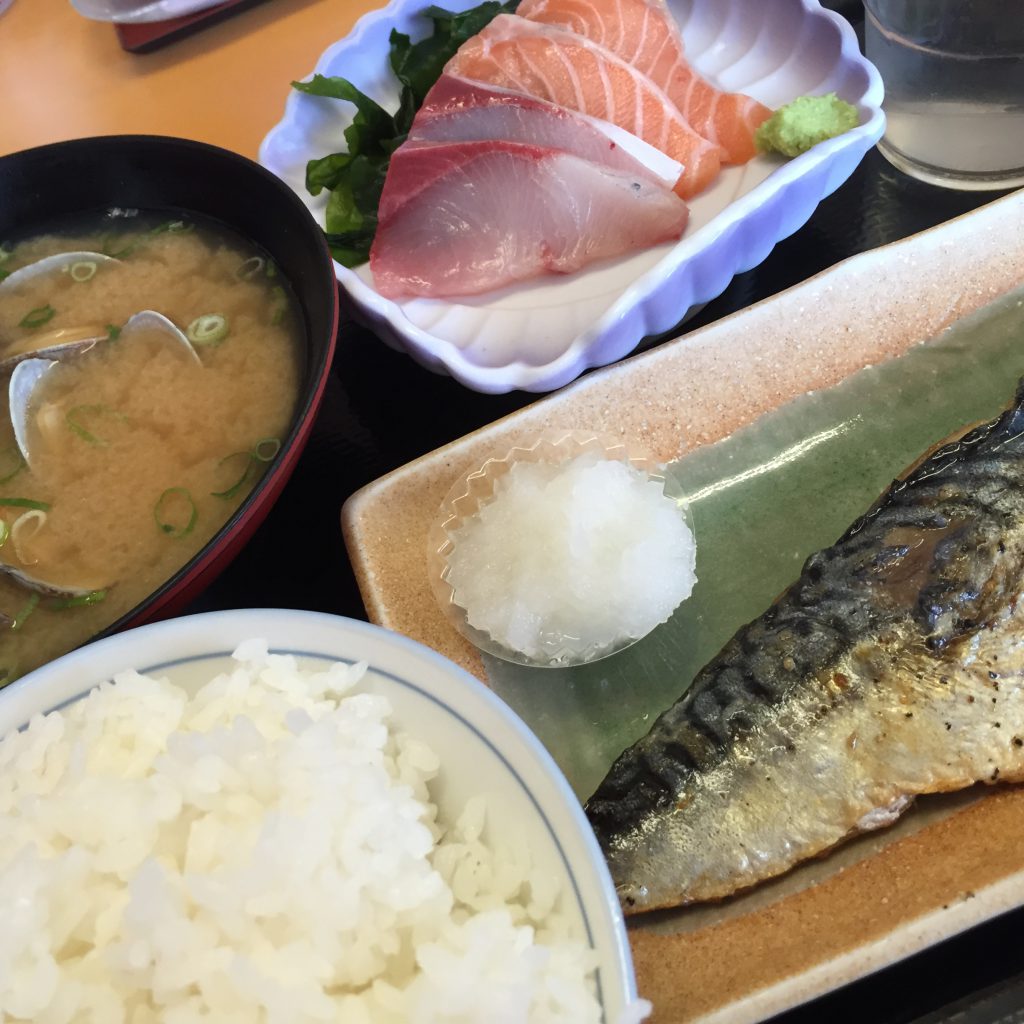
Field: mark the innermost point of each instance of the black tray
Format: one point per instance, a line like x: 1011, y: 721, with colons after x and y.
x: 382, y: 410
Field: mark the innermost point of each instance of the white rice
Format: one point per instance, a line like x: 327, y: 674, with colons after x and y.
x: 265, y: 851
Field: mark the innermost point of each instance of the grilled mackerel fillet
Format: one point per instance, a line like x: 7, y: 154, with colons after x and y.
x: 892, y: 667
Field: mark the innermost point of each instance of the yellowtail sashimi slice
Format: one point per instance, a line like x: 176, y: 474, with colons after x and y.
x: 459, y: 110
x: 463, y: 218
x: 572, y: 71
x: 81, y: 266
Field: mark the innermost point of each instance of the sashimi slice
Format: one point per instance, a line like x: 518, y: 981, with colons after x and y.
x: 644, y: 34
x: 572, y: 71
x: 458, y: 110
x: 465, y: 217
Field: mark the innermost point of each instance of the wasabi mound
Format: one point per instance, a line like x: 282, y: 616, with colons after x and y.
x: 808, y: 120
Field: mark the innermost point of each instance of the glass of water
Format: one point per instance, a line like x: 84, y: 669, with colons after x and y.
x: 954, y: 88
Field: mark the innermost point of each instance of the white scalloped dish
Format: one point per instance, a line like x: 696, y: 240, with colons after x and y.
x: 543, y: 333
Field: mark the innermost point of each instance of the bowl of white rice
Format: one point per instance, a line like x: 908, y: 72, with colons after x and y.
x: 289, y: 817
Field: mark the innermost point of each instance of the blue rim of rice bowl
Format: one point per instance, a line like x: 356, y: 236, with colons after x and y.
x: 221, y: 654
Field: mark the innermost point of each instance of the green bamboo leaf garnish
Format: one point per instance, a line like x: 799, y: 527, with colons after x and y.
x: 355, y: 178
x: 419, y: 65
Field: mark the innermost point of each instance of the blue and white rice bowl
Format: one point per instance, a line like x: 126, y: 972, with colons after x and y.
x: 484, y: 750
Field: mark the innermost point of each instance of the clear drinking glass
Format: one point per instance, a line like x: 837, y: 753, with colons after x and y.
x: 954, y: 88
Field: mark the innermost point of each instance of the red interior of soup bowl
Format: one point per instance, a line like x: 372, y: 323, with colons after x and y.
x: 42, y: 186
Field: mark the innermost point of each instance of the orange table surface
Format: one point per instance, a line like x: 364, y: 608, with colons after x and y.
x: 63, y: 76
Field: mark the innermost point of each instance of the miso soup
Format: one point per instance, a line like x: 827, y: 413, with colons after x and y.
x: 127, y: 442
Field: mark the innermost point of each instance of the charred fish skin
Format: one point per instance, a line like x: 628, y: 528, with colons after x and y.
x: 893, y: 666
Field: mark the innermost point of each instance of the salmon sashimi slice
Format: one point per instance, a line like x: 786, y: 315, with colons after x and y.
x: 572, y: 71
x: 465, y: 217
x: 644, y: 33
x: 458, y: 110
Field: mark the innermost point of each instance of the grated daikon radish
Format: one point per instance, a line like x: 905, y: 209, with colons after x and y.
x: 568, y: 561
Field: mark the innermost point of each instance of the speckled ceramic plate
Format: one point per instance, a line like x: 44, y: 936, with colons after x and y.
x: 541, y: 334
x: 957, y: 860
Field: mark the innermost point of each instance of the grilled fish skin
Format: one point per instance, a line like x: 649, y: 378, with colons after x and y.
x: 894, y: 666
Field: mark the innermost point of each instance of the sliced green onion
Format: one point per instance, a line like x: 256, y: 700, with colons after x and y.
x: 173, y: 227
x: 271, y: 268
x: 9, y: 674
x: 5, y: 532
x: 3, y: 274
x: 32, y: 519
x: 280, y: 304
x: 41, y: 506
x: 78, y: 601
x: 27, y: 609
x: 250, y: 268
x: 8, y: 457
x: 37, y: 317
x: 82, y: 271
x: 107, y: 248
x: 113, y: 332
x: 231, y: 491
x: 266, y: 448
x: 6, y: 252
x: 72, y: 417
x: 208, y: 329
x: 162, y: 514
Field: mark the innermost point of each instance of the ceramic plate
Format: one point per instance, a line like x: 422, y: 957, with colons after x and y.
x: 541, y: 334
x: 486, y: 749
